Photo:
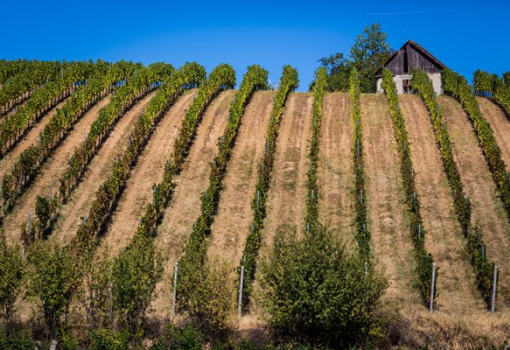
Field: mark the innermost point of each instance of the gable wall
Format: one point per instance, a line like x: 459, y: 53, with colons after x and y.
x: 415, y: 60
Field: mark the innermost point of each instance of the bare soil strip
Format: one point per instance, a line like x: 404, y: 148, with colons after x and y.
x: 392, y: 246
x: 487, y: 209
x: 335, y: 173
x: 31, y: 136
x: 97, y: 171
x: 231, y: 224
x: 500, y: 126
x: 147, y: 172
x: 286, y: 197
x: 173, y: 233
x: 51, y: 171
x: 456, y: 288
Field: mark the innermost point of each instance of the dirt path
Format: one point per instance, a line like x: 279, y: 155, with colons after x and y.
x: 178, y: 219
x: 286, y: 198
x: 500, y: 125
x: 457, y: 292
x: 30, y: 138
x: 97, y: 172
x: 488, y: 212
x: 335, y: 172
x: 231, y: 224
x: 51, y: 171
x: 147, y: 172
x: 392, y: 247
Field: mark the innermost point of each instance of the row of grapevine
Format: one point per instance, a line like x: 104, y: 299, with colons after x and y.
x: 475, y: 244
x: 491, y: 86
x: 142, y: 81
x: 312, y: 198
x: 35, y: 74
x: 13, y: 127
x: 221, y: 78
x: 8, y: 69
x: 111, y: 189
x: 26, y: 167
x: 424, y: 260
x: 288, y: 83
x: 457, y: 86
x: 192, y: 263
x: 362, y: 233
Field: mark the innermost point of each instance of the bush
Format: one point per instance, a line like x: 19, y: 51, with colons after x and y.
x: 19, y: 340
x: 187, y: 337
x: 211, y: 302
x: 53, y: 277
x: 43, y: 211
x: 318, y: 293
x: 109, y: 340
x: 135, y: 273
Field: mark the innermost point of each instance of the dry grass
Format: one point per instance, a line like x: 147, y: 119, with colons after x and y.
x: 418, y: 328
x: 231, y: 224
x: 335, y: 172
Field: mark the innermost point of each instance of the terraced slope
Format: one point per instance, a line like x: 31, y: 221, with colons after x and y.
x: 231, y: 225
x: 98, y: 170
x: 444, y: 240
x: 147, y: 172
x: 487, y: 209
x: 335, y: 172
x: 28, y: 140
x: 286, y: 197
x: 51, y: 171
x: 392, y: 244
x: 178, y: 219
x: 500, y: 125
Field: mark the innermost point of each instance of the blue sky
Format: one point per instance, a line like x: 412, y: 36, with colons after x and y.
x: 464, y: 35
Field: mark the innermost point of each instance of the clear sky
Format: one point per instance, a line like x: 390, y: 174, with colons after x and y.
x: 465, y: 35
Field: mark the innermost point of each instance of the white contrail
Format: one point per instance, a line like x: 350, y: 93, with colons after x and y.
x: 420, y: 12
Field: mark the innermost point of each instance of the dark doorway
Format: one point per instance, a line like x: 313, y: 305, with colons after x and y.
x: 406, y: 86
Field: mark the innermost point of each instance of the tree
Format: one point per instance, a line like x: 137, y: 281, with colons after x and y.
x: 318, y: 293
x: 135, y: 273
x: 369, y: 52
x: 53, y: 277
x: 338, y: 69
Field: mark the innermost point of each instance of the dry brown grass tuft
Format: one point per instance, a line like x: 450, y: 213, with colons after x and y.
x: 419, y: 328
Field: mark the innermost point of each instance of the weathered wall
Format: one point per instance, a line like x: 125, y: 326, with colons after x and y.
x: 436, y: 82
x: 435, y: 77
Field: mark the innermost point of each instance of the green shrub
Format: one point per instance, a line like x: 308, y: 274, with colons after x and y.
x: 318, y: 293
x: 211, y: 302
x: 17, y: 341
x: 187, y: 337
x: 135, y: 273
x: 107, y: 339
x: 53, y: 276
x: 11, y: 272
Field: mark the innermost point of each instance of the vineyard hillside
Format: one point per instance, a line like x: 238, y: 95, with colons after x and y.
x: 460, y: 317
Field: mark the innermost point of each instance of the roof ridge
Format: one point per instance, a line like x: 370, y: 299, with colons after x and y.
x: 418, y: 47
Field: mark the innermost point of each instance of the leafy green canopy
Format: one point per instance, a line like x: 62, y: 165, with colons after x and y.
x: 369, y: 52
x: 318, y: 293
